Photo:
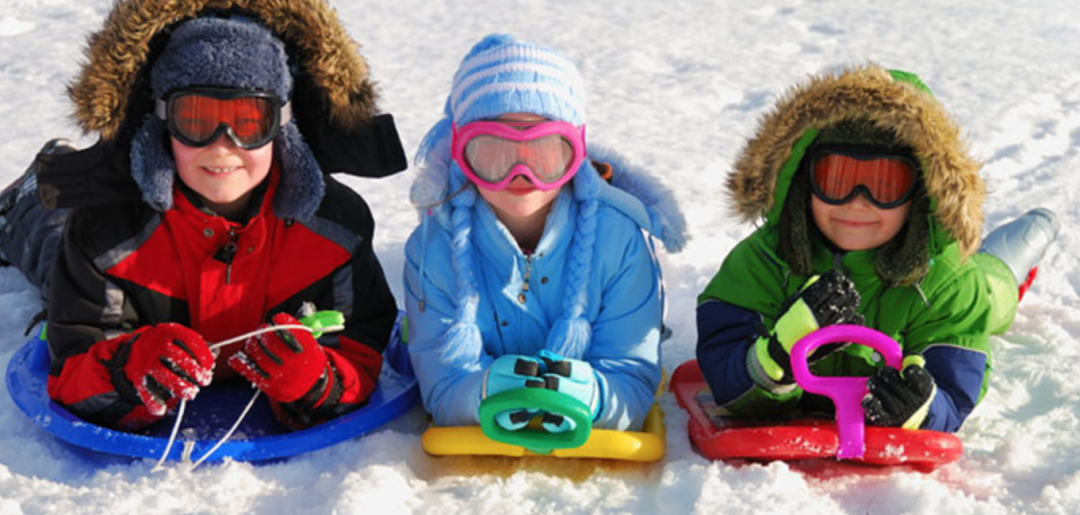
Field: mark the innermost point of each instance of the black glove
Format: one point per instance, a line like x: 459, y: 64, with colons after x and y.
x: 899, y: 399
x: 825, y: 300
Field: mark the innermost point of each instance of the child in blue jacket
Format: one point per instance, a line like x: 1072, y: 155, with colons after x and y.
x: 528, y: 269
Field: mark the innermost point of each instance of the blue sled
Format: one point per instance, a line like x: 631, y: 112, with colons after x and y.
x: 259, y: 438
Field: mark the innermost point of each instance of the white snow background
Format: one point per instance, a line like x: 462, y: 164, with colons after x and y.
x: 677, y: 86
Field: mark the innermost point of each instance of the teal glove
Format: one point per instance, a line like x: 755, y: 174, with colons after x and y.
x: 824, y: 300
x: 572, y: 377
x: 511, y: 372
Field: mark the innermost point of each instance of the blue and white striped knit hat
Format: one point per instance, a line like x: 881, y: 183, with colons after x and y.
x: 503, y: 75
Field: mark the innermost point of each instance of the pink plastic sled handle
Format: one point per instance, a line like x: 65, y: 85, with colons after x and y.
x: 846, y: 392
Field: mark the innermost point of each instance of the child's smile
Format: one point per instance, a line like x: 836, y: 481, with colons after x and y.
x: 218, y: 170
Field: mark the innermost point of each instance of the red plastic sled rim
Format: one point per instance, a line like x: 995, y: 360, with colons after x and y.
x: 803, y: 438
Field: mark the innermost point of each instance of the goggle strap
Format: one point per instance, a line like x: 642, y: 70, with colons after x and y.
x: 161, y: 110
x: 286, y: 113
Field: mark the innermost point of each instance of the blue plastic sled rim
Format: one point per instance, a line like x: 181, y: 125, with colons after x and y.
x: 212, y: 412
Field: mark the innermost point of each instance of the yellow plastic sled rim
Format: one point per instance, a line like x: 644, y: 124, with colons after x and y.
x: 643, y: 446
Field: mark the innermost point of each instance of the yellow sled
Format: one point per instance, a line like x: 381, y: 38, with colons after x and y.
x: 584, y: 442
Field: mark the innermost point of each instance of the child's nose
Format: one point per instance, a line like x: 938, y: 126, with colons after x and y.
x: 520, y: 180
x: 860, y: 201
x: 222, y: 142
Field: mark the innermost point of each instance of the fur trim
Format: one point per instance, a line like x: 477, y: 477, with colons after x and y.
x: 117, y: 55
x: 951, y: 175
x: 668, y: 222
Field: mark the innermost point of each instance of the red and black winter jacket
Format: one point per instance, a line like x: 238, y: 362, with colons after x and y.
x: 124, y: 265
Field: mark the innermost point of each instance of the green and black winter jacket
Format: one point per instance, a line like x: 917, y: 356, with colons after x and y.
x: 925, y: 289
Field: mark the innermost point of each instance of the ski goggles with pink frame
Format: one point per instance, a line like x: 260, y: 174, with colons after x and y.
x: 493, y: 153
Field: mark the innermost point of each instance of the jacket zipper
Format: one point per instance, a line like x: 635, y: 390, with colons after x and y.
x: 524, y: 288
x: 528, y: 272
x: 838, y: 262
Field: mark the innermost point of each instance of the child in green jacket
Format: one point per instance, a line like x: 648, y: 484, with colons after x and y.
x: 871, y: 213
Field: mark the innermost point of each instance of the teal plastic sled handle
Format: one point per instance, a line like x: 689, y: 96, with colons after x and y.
x: 537, y: 441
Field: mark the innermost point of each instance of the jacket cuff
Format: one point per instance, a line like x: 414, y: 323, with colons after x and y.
x: 88, y: 387
x: 761, y: 378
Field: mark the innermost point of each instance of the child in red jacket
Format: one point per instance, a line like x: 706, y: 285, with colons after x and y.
x: 204, y: 212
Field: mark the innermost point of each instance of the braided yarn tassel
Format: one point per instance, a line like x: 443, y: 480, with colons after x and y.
x: 571, y: 334
x: 462, y: 341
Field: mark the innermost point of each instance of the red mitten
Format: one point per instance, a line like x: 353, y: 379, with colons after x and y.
x: 286, y: 364
x: 164, y: 363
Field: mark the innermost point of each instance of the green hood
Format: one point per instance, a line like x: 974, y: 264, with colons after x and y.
x: 896, y: 101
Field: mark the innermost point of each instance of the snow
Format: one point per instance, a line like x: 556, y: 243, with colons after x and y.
x: 677, y: 87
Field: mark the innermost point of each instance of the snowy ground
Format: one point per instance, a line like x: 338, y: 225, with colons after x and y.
x: 677, y: 86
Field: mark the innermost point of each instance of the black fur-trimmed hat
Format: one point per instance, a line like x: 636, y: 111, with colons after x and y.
x: 233, y: 52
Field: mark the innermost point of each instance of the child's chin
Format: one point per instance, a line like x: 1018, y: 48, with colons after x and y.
x: 220, y: 198
x: 524, y: 209
x: 855, y: 245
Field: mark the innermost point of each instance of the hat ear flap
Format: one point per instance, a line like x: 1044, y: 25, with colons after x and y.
x: 152, y: 165
x: 302, y: 184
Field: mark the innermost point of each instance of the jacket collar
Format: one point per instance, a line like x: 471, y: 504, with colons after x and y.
x: 258, y: 198
x: 494, y: 239
x: 189, y: 204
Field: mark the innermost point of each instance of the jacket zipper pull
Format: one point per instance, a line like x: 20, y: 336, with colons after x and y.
x: 226, y: 255
x: 230, y: 249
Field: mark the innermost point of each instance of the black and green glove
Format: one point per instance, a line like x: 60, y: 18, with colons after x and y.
x: 824, y: 300
x: 900, y: 399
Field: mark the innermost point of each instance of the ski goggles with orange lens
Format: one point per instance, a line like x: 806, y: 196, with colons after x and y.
x: 839, y: 173
x: 493, y: 153
x: 197, y: 116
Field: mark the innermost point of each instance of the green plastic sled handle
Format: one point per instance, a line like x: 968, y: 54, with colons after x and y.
x: 327, y: 321
x: 537, y: 441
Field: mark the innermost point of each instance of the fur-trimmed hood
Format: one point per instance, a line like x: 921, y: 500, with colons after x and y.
x: 328, y: 60
x: 897, y: 101
x: 335, y: 127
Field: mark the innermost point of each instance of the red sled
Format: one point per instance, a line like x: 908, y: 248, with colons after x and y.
x: 721, y: 438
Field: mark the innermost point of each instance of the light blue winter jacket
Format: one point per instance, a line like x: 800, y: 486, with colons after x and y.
x: 624, y: 306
